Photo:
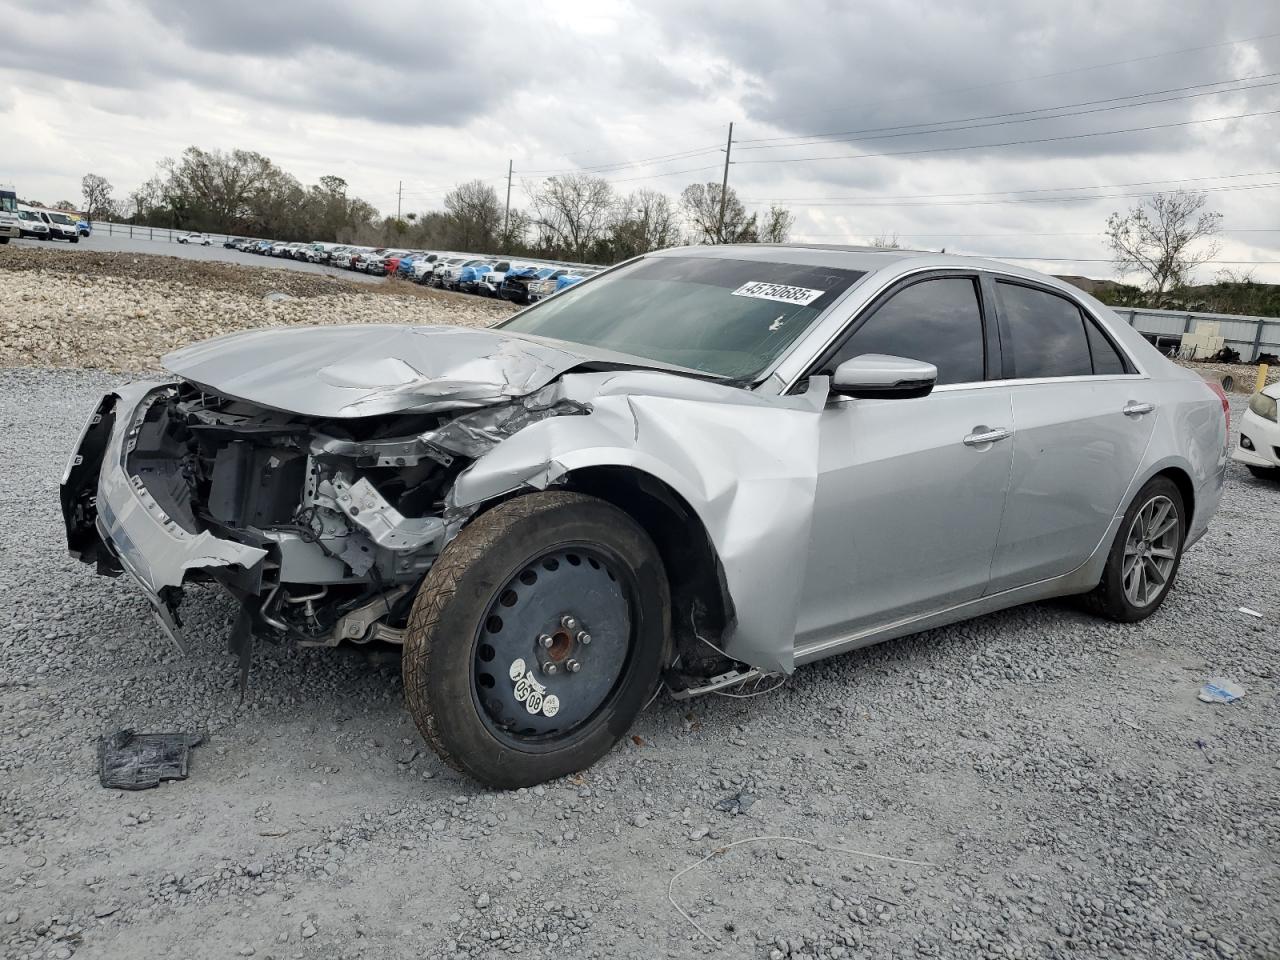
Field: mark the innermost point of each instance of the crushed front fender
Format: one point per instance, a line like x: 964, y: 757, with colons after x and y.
x: 746, y: 464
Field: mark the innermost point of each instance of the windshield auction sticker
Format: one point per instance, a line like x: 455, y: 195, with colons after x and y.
x: 763, y: 290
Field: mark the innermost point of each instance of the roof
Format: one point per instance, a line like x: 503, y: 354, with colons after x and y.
x: 866, y: 259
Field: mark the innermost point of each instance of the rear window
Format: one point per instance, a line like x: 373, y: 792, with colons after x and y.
x: 1047, y: 333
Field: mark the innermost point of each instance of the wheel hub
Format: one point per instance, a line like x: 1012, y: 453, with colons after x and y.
x: 552, y: 645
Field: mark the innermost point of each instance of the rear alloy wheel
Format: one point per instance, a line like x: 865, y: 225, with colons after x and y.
x: 536, y: 638
x: 1145, y: 556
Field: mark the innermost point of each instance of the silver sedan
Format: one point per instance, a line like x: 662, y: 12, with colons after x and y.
x: 696, y: 469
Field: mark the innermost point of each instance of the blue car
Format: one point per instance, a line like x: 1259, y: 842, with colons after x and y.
x: 83, y: 227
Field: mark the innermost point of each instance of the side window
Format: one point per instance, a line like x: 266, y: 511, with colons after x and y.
x: 1047, y: 331
x: 938, y: 321
x: 1105, y: 357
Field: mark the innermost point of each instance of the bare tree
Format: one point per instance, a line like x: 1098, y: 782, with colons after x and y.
x: 646, y: 220
x: 474, y: 215
x: 66, y: 206
x: 573, y: 212
x: 513, y: 237
x: 701, y: 205
x: 97, y: 194
x: 886, y: 241
x: 1156, y: 238
x: 776, y: 225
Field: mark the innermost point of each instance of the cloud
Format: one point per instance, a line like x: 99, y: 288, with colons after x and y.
x: 427, y: 95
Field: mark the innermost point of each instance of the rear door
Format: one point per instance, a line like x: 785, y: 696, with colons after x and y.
x: 908, y: 503
x: 1082, y: 417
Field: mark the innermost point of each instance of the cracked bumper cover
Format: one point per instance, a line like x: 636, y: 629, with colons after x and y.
x: 146, y: 543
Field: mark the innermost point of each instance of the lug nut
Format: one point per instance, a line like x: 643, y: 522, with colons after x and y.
x: 545, y: 641
x: 548, y: 667
x: 583, y: 637
x: 573, y: 666
x: 568, y: 622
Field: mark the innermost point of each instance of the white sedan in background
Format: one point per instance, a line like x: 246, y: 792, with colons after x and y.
x: 201, y: 239
x: 1258, y: 447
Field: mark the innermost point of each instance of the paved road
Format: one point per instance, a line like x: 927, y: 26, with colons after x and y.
x: 117, y: 243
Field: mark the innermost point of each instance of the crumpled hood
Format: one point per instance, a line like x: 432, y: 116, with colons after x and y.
x: 368, y: 370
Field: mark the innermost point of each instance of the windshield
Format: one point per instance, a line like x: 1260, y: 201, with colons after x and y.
x: 8, y: 202
x: 732, y: 318
x: 61, y: 218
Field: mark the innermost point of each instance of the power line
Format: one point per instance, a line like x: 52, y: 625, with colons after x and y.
x: 1056, y: 73
x: 1019, y: 143
x: 874, y: 133
x: 971, y: 236
x: 993, y: 193
x: 1079, y: 198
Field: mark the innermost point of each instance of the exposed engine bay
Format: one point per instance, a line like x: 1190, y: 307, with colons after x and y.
x: 347, y: 515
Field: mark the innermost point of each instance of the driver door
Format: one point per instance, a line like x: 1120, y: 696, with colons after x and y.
x: 910, y: 492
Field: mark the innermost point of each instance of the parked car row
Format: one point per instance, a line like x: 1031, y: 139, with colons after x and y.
x: 41, y: 224
x: 523, y: 281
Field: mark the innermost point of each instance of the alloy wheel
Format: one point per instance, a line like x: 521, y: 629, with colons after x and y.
x: 1150, y: 551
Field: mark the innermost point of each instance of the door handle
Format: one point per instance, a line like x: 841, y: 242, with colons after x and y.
x: 1135, y: 409
x: 985, y: 435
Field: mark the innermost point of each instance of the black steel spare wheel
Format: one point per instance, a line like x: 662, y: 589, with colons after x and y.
x: 553, y: 644
x: 536, y: 638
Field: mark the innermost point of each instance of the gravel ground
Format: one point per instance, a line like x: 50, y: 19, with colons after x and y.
x: 122, y: 312
x: 1066, y: 791
x: 101, y: 242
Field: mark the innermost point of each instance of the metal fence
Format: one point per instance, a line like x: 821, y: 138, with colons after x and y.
x: 163, y: 234
x: 1251, y: 336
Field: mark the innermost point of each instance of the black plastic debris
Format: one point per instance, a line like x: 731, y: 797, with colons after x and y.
x: 139, y: 761
x: 737, y: 804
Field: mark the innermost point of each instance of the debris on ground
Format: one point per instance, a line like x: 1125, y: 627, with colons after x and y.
x: 139, y: 761
x: 1250, y: 611
x: 738, y: 803
x: 1221, y: 690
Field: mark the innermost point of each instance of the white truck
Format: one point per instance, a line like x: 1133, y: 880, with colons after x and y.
x: 10, y: 228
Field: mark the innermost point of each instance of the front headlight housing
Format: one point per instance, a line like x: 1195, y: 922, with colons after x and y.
x: 1263, y: 406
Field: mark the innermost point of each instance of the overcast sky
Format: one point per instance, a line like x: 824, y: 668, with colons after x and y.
x: 431, y: 94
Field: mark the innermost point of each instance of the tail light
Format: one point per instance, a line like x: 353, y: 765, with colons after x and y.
x: 1222, y: 396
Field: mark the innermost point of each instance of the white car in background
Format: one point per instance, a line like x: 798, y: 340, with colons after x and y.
x: 199, y: 239
x: 30, y: 224
x: 443, y: 266
x: 1258, y: 446
x: 61, y: 227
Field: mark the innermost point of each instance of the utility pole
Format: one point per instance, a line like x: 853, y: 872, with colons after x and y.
x: 506, y: 214
x: 399, y: 195
x: 724, y: 184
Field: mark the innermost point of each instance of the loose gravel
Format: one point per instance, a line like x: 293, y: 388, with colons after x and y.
x: 122, y: 312
x: 1069, y: 793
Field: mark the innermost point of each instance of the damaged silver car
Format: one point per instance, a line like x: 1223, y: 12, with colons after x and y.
x: 697, y: 468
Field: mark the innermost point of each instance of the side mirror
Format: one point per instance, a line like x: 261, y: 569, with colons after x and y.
x: 876, y: 375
